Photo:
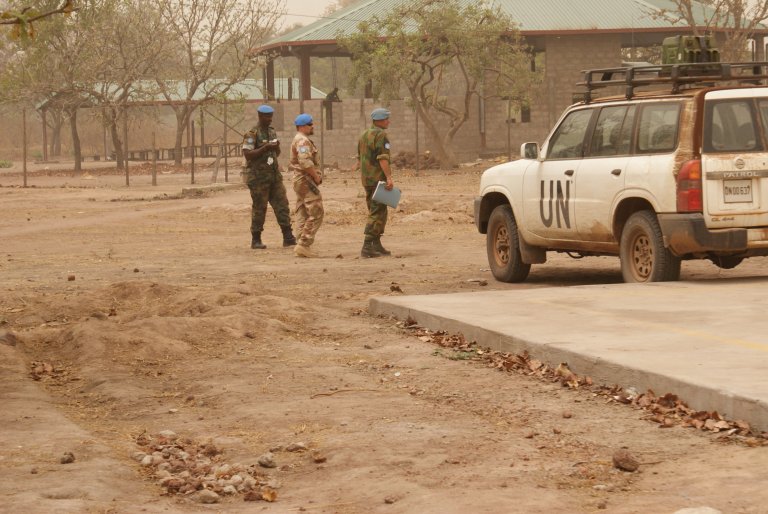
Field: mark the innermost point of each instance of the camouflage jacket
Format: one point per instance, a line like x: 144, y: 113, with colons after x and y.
x: 303, y: 156
x: 255, y: 138
x: 372, y: 148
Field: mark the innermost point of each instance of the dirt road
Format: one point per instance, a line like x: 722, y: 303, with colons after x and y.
x: 128, y: 312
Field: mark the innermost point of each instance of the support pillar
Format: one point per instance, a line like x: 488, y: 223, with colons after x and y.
x: 270, y: 85
x: 305, y: 93
x: 759, y: 48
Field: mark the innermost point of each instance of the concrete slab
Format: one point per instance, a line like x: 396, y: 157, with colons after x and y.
x: 705, y: 341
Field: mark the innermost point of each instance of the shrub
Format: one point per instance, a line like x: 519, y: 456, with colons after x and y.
x: 5, y: 164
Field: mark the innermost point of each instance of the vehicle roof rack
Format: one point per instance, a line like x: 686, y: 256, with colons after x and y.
x: 675, y: 75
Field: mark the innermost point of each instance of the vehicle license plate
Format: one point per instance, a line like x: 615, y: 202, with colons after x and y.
x: 737, y: 191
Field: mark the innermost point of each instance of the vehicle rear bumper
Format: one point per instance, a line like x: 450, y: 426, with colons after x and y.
x: 687, y: 233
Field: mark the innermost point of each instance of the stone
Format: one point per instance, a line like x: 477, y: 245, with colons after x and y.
x: 170, y: 435
x: 8, y: 337
x: 267, y: 461
x: 624, y: 461
x: 206, y: 496
x: 67, y: 458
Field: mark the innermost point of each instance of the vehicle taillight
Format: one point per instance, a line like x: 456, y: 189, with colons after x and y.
x: 689, y: 197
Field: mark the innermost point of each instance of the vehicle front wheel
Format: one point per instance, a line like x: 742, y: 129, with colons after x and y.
x: 643, y: 255
x: 503, y: 247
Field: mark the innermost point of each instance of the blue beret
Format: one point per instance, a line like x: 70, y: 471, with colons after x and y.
x: 265, y: 109
x: 379, y: 114
x: 303, y: 119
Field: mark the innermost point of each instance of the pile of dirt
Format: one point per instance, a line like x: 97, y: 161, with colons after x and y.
x: 408, y: 160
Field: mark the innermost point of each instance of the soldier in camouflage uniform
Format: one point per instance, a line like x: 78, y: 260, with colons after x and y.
x: 306, y: 178
x: 261, y: 149
x: 374, y: 153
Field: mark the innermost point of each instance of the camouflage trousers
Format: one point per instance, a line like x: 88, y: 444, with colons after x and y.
x: 266, y: 186
x: 377, y: 216
x: 309, y: 210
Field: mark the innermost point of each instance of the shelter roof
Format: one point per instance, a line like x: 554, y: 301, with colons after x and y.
x: 147, y: 92
x: 534, y: 18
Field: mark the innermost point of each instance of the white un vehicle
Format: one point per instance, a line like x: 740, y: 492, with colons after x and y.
x: 655, y: 177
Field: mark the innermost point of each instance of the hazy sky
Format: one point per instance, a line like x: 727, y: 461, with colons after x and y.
x: 304, y: 11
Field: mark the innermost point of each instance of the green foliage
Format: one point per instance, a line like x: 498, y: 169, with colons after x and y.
x: 414, y: 46
x: 438, y: 50
x: 22, y: 19
x: 5, y: 164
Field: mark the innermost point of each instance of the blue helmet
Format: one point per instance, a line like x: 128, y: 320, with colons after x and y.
x: 303, y: 119
x: 265, y: 109
x: 379, y: 114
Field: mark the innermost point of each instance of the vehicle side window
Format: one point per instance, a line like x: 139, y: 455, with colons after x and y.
x: 568, y: 141
x: 729, y: 126
x: 608, y: 137
x: 657, y: 129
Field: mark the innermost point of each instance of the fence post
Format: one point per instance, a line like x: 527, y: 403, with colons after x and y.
x: 226, y: 148
x: 125, y: 146
x: 322, y: 135
x: 417, y: 140
x: 24, y: 144
x: 154, y: 160
x: 193, y: 152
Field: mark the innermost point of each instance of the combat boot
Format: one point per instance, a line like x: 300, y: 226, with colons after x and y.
x: 369, y: 251
x: 256, y: 243
x: 288, y: 238
x: 304, y: 251
x: 377, y: 246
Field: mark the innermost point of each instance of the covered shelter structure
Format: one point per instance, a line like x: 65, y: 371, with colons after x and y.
x: 565, y: 36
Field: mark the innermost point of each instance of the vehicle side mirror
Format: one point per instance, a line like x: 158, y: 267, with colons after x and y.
x: 529, y: 150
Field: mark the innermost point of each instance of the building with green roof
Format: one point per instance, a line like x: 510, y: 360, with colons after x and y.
x: 567, y: 37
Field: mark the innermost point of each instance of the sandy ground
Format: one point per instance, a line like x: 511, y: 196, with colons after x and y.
x: 128, y: 311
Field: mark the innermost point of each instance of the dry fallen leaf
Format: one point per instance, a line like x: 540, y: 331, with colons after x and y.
x: 268, y: 494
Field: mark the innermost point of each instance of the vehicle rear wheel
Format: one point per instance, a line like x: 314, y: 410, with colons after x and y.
x: 643, y: 255
x: 503, y: 247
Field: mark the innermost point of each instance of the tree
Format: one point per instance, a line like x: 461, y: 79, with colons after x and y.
x: 49, y: 68
x: 132, y: 46
x: 23, y: 18
x: 445, y: 53
x: 737, y: 19
x: 211, y: 44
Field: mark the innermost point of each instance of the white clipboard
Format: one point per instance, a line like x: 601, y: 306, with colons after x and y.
x: 381, y: 195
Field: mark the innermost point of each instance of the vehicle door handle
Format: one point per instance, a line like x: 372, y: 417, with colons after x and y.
x: 616, y: 172
x: 569, y: 173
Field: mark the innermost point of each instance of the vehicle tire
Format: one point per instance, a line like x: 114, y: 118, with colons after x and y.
x: 503, y: 247
x: 726, y: 261
x: 643, y: 255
